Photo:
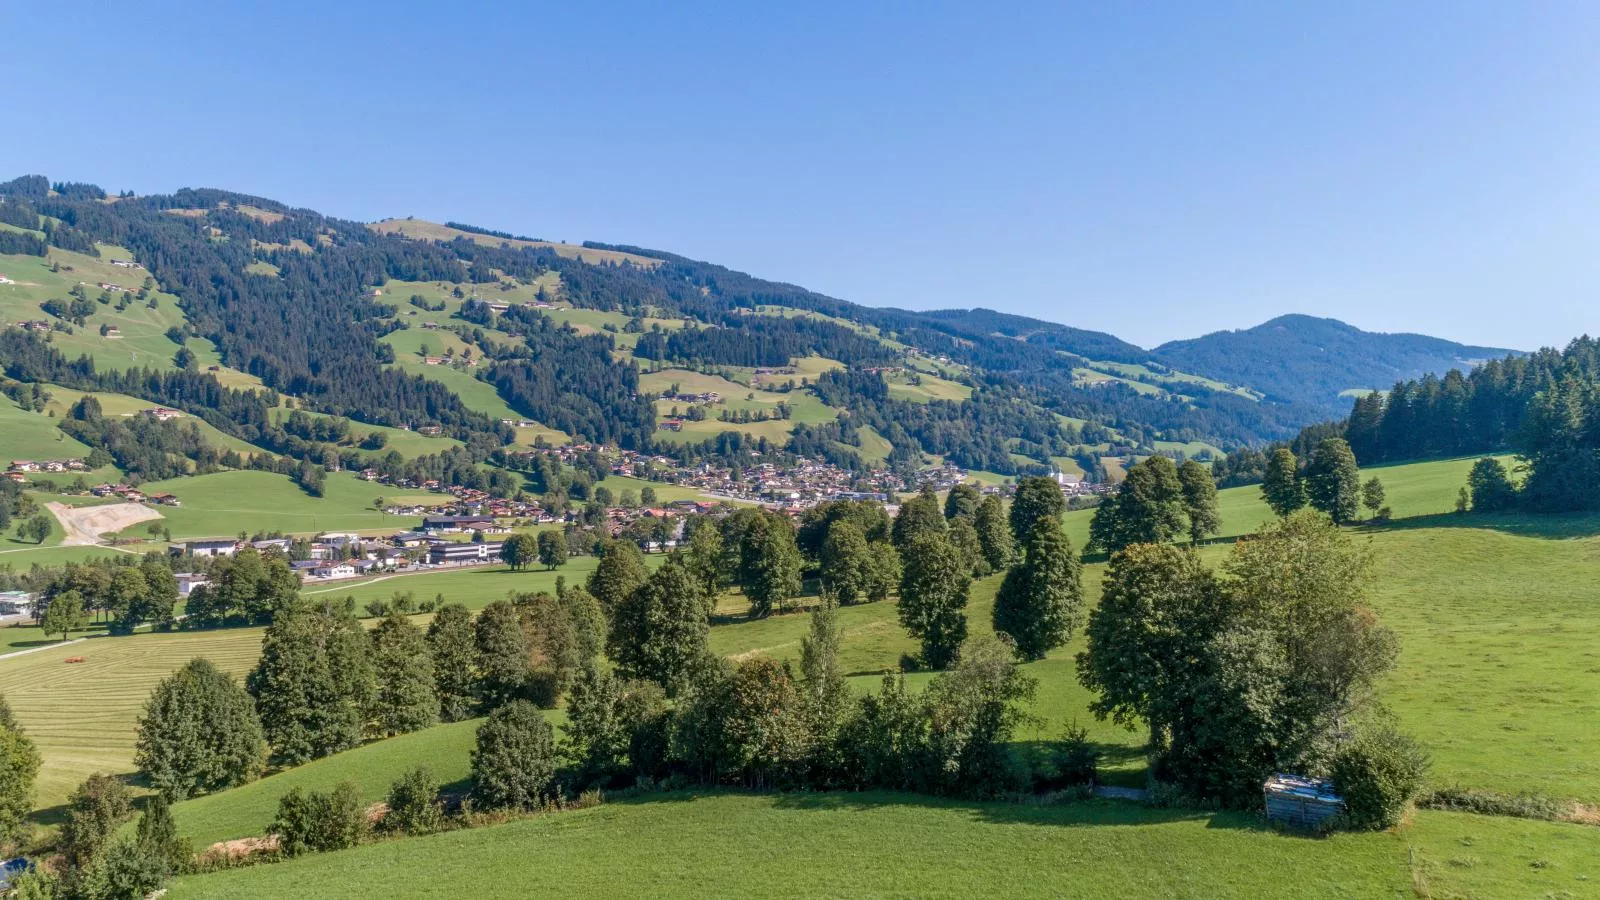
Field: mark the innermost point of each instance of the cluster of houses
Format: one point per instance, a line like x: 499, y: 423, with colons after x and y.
x: 692, y: 396
x: 335, y: 555
x: 131, y: 494
x: 1077, y: 486
x: 20, y: 469
x: 808, y: 482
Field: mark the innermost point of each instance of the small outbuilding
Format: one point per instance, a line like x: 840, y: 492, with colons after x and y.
x: 1301, y: 802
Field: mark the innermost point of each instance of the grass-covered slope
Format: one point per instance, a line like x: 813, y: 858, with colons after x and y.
x: 888, y: 845
x: 224, y: 503
x: 83, y: 715
x: 31, y: 435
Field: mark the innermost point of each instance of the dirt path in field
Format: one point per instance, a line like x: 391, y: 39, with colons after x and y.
x: 85, y: 524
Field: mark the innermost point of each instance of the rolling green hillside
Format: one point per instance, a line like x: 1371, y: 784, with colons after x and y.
x: 1496, y: 624
x: 888, y: 845
x: 225, y: 503
x: 30, y: 435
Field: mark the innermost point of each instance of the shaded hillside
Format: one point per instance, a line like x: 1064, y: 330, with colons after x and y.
x: 1308, y: 360
x: 1077, y: 341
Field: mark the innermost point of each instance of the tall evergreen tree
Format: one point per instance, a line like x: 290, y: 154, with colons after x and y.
x: 1333, y: 482
x: 1199, y: 500
x: 1041, y: 598
x: 157, y: 835
x: 1038, y: 497
x: 994, y: 533
x: 1281, y: 487
x: 933, y: 597
x: 199, y: 733
x: 407, y: 696
x: 452, y: 644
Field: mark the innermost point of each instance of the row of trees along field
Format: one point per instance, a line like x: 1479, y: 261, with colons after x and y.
x: 1270, y: 669
x: 1544, y: 406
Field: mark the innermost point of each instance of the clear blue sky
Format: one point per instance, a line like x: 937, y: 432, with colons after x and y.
x: 1154, y: 170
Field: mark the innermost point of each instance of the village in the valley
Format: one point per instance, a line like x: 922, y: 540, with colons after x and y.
x: 468, y: 529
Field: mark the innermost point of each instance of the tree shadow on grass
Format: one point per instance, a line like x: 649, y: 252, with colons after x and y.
x: 1551, y: 526
x: 50, y: 815
x: 29, y: 645
x: 1089, y: 813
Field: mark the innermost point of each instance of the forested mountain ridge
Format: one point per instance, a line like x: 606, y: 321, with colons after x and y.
x: 1310, y: 361
x: 486, y: 336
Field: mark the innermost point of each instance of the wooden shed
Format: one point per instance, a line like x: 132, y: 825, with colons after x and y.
x: 1301, y: 802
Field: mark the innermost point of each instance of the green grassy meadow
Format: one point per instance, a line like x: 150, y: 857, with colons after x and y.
x: 1500, y: 637
x: 927, y: 388
x: 29, y: 435
x: 246, y: 811
x: 665, y: 493
x: 83, y: 716
x: 474, y: 587
x: 804, y: 406
x: 224, y: 503
x: 141, y: 339
x: 890, y: 845
x: 406, y: 443
x: 27, y: 636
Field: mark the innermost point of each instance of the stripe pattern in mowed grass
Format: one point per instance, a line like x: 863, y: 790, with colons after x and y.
x: 83, y: 716
x: 892, y: 845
